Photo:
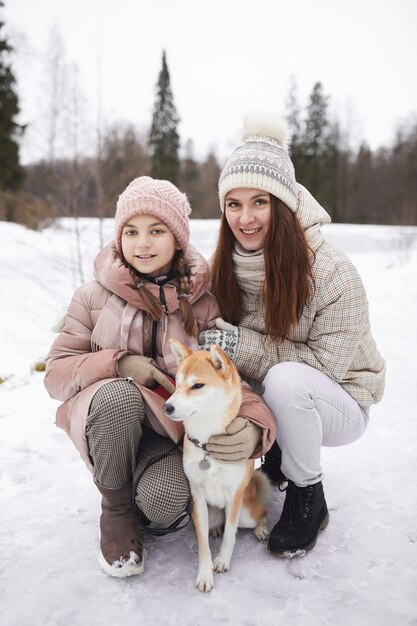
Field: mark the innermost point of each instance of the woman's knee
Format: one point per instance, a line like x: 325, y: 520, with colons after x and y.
x: 284, y: 379
x: 289, y: 386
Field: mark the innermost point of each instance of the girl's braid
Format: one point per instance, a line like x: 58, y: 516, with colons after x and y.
x: 186, y: 310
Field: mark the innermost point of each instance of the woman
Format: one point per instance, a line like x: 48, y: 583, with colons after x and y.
x: 295, y: 323
x: 108, y: 366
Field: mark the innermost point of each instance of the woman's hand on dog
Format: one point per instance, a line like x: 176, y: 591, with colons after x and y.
x: 242, y: 437
x: 226, y: 336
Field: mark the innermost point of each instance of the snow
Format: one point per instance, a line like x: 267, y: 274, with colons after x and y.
x: 363, y: 570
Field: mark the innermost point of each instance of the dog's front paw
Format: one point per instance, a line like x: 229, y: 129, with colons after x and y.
x: 221, y: 565
x: 205, y: 581
x: 261, y: 530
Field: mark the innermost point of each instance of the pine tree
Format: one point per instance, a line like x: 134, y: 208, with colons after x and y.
x: 294, y: 123
x: 362, y: 188
x: 164, y: 140
x: 189, y: 178
x: 334, y: 173
x: 210, y: 173
x: 11, y: 172
x: 315, y: 140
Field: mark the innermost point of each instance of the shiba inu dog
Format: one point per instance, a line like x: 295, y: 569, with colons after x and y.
x: 207, y: 399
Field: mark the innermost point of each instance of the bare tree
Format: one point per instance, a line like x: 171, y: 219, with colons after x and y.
x: 100, y: 202
x: 54, y: 87
x: 68, y: 138
x: 77, y: 134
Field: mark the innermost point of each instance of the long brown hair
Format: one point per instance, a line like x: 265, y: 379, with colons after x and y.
x: 288, y: 283
x: 154, y: 307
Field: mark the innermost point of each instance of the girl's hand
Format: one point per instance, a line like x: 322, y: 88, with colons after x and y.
x: 143, y: 371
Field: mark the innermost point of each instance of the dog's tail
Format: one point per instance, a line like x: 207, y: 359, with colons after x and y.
x: 263, y: 486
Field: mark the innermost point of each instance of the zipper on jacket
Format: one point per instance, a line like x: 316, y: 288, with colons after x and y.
x: 162, y: 321
x: 153, y: 340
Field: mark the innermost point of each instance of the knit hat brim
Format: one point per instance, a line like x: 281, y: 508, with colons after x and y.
x: 280, y: 187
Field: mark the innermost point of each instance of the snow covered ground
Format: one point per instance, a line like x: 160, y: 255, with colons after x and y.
x: 363, y: 570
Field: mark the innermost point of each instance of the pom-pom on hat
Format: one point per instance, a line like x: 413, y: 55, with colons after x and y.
x: 261, y: 161
x: 145, y: 195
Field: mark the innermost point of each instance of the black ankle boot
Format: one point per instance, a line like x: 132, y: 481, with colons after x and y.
x: 271, y: 465
x: 303, y: 516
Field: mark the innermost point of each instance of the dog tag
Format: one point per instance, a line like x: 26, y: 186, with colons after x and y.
x: 204, y: 464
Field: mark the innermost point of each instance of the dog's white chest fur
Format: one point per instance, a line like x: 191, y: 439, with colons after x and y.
x: 217, y: 481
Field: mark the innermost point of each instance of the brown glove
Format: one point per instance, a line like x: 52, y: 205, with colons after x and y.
x: 239, y: 444
x: 143, y: 371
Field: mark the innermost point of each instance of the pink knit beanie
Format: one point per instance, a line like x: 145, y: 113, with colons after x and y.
x: 145, y: 195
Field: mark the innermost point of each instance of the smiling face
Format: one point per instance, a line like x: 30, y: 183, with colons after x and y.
x: 248, y: 213
x: 148, y: 245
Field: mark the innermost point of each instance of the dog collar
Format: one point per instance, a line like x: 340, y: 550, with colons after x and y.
x: 197, y: 443
x: 204, y: 463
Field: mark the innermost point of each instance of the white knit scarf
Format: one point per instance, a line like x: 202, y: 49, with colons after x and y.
x: 249, y: 269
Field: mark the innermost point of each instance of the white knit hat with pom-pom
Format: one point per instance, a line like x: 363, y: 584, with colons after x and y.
x: 261, y: 161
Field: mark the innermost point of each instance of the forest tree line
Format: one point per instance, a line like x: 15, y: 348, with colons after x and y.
x: 355, y: 185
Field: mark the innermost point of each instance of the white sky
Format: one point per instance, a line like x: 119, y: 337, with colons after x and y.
x: 225, y: 57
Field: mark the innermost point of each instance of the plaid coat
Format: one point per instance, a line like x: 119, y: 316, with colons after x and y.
x: 333, y: 334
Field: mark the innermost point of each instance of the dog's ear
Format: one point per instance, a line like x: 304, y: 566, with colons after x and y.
x: 179, y: 351
x: 219, y: 358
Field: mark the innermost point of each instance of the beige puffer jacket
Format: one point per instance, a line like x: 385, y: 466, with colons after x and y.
x: 105, y: 321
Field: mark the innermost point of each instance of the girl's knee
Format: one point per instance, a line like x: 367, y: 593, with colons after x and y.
x: 118, y: 399
x: 161, y: 501
x: 161, y: 489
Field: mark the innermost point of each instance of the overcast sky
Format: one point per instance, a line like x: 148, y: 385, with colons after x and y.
x: 225, y: 57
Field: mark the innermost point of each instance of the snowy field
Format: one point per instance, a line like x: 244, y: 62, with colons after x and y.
x: 363, y: 571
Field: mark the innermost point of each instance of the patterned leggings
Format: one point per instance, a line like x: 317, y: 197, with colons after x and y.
x: 124, y: 451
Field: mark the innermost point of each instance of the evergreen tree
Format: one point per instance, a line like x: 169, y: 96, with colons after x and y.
x: 315, y: 140
x: 294, y: 123
x: 189, y: 178
x: 403, y: 186
x: 11, y: 172
x: 210, y: 173
x: 164, y: 140
x: 335, y: 164
x: 362, y: 189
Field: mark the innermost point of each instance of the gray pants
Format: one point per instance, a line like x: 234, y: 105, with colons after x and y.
x: 124, y: 452
x: 311, y: 411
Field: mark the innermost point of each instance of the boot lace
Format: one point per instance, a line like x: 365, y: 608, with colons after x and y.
x: 297, y: 505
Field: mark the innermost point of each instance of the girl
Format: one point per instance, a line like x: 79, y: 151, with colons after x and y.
x: 109, y: 366
x: 298, y: 326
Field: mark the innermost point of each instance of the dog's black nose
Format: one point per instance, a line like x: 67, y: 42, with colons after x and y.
x: 168, y: 408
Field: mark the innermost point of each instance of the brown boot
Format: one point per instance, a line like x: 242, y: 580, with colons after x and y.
x: 121, y: 550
